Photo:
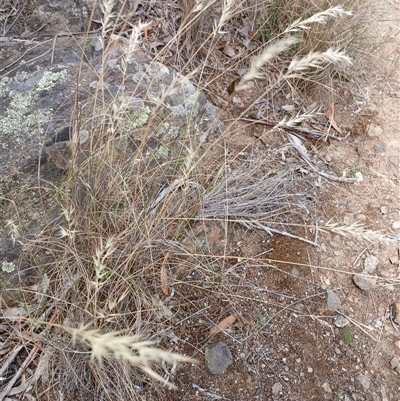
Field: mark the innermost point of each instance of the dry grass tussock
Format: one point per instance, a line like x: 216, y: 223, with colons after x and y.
x: 109, y: 263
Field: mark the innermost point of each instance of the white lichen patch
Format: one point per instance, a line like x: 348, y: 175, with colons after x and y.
x: 168, y: 131
x: 50, y: 79
x: 162, y: 152
x: 134, y: 119
x: 20, y: 113
x: 189, y: 107
x: 8, y: 267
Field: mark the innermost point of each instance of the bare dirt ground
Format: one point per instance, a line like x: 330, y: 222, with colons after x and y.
x: 285, y: 344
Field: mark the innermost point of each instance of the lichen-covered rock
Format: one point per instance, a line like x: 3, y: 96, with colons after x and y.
x: 143, y: 101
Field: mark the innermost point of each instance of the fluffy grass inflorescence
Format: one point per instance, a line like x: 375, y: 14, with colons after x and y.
x: 134, y: 190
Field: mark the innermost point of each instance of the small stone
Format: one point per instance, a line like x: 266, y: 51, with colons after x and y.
x: 363, y: 282
x: 363, y: 382
x: 370, y: 263
x: 375, y: 130
x: 394, y: 160
x: 347, y: 220
x: 341, y: 321
x: 384, y: 209
x: 218, y: 358
x: 394, y: 260
x: 397, y: 344
x: 396, y: 225
x: 310, y: 370
x: 379, y: 147
x: 337, y: 351
x: 332, y: 301
x: 395, y: 362
x: 327, y: 387
x: 276, y: 388
x: 288, y: 107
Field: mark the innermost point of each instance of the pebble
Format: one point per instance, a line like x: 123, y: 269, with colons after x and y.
x: 370, y: 263
x: 384, y: 209
x: 218, y: 358
x: 341, y: 321
x: 276, y: 388
x: 363, y: 382
x: 332, y: 301
x: 375, y: 130
x: 327, y: 387
x: 363, y: 282
x: 395, y: 362
x: 394, y: 160
x: 380, y: 147
x: 394, y: 260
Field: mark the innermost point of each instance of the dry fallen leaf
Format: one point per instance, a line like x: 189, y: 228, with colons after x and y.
x: 223, y: 324
x: 329, y: 115
x: 148, y: 27
x: 164, y: 276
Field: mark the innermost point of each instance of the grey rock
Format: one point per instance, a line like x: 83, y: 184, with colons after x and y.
x: 362, y: 382
x: 394, y: 160
x: 364, y: 282
x: 394, y: 362
x: 370, y: 263
x: 153, y: 100
x: 332, y: 301
x: 380, y: 147
x: 218, y: 358
x: 341, y: 321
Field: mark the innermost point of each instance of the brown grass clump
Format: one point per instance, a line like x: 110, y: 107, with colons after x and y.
x: 107, y: 291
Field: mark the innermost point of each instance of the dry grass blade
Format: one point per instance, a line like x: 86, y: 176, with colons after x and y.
x: 259, y: 201
x: 164, y: 276
x: 296, y: 143
x: 6, y: 391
